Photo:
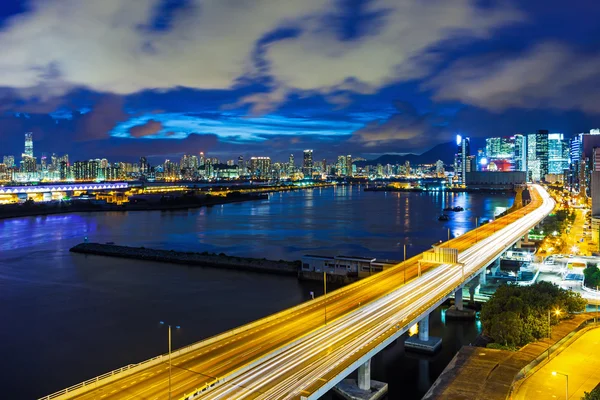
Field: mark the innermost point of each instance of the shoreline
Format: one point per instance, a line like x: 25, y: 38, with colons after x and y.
x: 41, y: 209
x: 204, y: 259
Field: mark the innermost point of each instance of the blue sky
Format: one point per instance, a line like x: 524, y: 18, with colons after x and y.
x: 157, y: 78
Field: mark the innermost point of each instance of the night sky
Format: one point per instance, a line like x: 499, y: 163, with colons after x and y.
x: 126, y: 78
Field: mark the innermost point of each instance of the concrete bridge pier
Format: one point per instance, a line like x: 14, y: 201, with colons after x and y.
x: 362, y: 388
x: 423, y: 342
x: 457, y: 311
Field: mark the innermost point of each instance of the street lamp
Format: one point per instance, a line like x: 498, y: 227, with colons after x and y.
x: 554, y: 373
x: 325, y: 293
x: 176, y: 327
x: 557, y: 313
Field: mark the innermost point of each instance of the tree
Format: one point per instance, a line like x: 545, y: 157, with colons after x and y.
x: 593, y: 395
x: 517, y: 315
x: 592, y: 276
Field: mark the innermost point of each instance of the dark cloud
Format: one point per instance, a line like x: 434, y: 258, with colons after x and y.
x: 148, y: 129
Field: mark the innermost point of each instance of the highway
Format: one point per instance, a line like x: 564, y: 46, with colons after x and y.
x: 294, y: 353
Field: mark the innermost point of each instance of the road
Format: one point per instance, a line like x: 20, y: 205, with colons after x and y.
x: 579, y: 361
x: 373, y: 301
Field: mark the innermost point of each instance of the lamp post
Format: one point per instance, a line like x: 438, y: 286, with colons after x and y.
x: 557, y: 313
x: 476, y: 226
x: 404, y: 263
x: 554, y: 373
x: 325, y: 293
x: 176, y: 327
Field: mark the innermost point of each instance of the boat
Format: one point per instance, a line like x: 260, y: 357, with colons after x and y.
x: 443, y: 217
x: 456, y: 209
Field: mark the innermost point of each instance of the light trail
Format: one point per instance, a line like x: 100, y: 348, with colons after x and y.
x: 290, y: 353
x: 288, y: 374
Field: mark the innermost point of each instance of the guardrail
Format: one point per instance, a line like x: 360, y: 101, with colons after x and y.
x: 95, y: 380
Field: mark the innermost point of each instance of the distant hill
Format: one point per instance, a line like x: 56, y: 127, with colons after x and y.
x: 443, y: 151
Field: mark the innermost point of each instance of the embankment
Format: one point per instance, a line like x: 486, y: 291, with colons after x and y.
x: 190, y: 258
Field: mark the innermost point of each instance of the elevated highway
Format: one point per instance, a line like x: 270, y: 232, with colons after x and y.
x: 297, y: 354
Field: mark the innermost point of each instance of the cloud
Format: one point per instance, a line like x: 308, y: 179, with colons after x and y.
x: 407, y: 129
x: 111, y: 46
x: 549, y: 75
x: 149, y: 128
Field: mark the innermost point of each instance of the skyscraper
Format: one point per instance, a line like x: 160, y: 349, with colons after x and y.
x: 537, y: 155
x: 558, y: 154
x: 520, y: 152
x: 291, y: 166
x: 28, y: 144
x: 260, y: 167
x: 541, y: 151
x: 461, y: 164
x: 9, y: 161
x: 307, y: 164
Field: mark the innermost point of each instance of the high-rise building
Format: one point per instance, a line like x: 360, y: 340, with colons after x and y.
x: 558, y: 154
x: 439, y: 169
x: 144, y: 166
x: 348, y: 165
x: 291, y: 166
x: 260, y: 167
x: 307, y: 164
x: 541, y: 151
x: 461, y: 163
x: 520, y: 162
x: 28, y: 144
x: 241, y: 166
x: 9, y: 161
x: 537, y: 155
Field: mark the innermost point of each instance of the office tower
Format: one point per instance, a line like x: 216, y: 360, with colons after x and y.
x: 537, y: 155
x: 348, y: 165
x: 541, y: 151
x: 291, y: 166
x: 260, y: 167
x: 340, y: 166
x: 500, y: 153
x: 44, y: 162
x: 558, y: 154
x: 202, y: 159
x: 439, y: 169
x: 144, y: 166
x: 461, y: 164
x: 307, y: 163
x: 324, y: 167
x: 241, y: 166
x: 520, y: 159
x: 407, y: 167
x: 9, y: 161
x: 28, y: 144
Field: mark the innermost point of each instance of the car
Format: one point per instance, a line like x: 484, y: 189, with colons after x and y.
x: 571, y: 256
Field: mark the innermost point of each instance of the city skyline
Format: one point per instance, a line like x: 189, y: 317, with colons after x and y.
x: 377, y: 93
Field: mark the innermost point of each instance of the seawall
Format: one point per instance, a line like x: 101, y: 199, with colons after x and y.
x: 190, y: 258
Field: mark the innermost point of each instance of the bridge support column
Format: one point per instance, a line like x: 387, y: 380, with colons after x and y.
x: 424, y: 329
x: 457, y: 311
x: 483, y: 277
x: 363, y: 388
x: 458, y: 299
x: 364, y: 376
x: 423, y: 342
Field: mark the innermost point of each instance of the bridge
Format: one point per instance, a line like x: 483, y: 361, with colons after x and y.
x: 304, y: 351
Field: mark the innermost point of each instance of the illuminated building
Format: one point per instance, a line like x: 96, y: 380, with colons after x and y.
x: 461, y: 159
x: 260, y: 167
x: 439, y: 169
x: 537, y: 155
x: 8, y: 161
x: 291, y: 166
x: 307, y: 164
x: 558, y: 154
x: 28, y: 144
x: 520, y: 152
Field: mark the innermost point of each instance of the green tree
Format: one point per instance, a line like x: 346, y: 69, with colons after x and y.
x: 593, y: 395
x: 592, y: 276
